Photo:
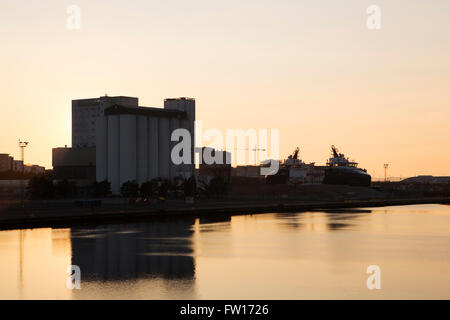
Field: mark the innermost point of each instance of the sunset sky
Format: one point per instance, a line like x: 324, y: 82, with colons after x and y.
x: 309, y: 68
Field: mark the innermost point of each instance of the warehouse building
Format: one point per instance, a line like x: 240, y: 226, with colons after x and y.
x: 18, y: 166
x: 74, y: 164
x: 135, y: 143
x: 6, y: 162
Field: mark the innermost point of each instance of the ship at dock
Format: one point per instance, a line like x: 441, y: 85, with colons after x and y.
x: 294, y: 171
x: 340, y: 170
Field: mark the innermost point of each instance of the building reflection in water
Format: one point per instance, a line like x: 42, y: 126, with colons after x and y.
x: 323, y: 220
x: 214, y: 223
x: 342, y: 218
x: 130, y: 251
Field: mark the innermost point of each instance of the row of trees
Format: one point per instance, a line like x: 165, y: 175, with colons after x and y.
x: 42, y: 187
x: 216, y: 188
x: 159, y: 188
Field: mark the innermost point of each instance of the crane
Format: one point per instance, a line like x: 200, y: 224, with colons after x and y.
x: 255, y: 149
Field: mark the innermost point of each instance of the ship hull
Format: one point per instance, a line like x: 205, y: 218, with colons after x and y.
x: 346, y: 176
x: 281, y: 177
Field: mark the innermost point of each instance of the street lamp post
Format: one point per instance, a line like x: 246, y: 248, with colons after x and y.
x: 22, y: 146
x: 386, y: 165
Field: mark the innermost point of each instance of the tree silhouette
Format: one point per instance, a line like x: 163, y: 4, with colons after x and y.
x: 130, y: 189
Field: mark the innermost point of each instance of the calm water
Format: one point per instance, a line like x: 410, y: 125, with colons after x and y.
x: 307, y: 255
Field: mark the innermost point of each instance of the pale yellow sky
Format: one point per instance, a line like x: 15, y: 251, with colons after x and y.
x: 309, y: 68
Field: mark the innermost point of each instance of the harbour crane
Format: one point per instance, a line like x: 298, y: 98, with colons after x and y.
x: 255, y: 149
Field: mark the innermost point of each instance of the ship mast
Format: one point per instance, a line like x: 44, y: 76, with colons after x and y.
x: 335, y: 151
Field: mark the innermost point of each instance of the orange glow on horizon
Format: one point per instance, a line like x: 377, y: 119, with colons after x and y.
x: 313, y: 71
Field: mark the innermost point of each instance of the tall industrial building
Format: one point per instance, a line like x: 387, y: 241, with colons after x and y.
x: 85, y: 113
x: 135, y: 143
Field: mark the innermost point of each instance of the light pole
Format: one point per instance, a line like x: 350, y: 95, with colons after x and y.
x: 386, y: 165
x: 22, y: 146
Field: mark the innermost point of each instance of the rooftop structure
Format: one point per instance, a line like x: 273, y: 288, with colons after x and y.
x: 85, y: 113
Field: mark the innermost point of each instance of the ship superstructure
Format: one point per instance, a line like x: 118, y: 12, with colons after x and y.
x: 340, y: 170
x: 294, y: 171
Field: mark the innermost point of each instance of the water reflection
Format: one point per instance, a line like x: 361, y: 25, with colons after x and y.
x: 347, y: 212
x: 306, y: 255
x: 158, y: 249
x: 214, y: 223
x: 327, y: 220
